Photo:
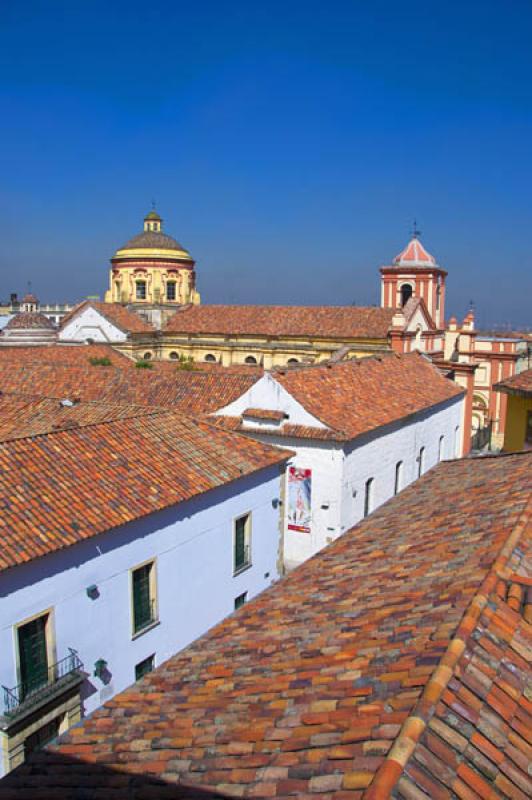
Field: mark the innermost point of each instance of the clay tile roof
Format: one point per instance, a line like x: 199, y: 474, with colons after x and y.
x: 396, y: 662
x: 23, y: 416
x: 29, y: 320
x: 190, y: 392
x: 356, y: 396
x: 260, y: 413
x: 127, y: 321
x: 83, y: 481
x: 520, y: 384
x: 63, y: 355
x: 347, y: 322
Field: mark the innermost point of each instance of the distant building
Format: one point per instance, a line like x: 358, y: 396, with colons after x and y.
x: 518, y: 429
x: 125, y: 536
x: 29, y: 326
x: 152, y: 272
x: 393, y: 664
x: 361, y: 432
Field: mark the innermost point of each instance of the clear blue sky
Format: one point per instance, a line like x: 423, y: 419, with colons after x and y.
x: 288, y: 145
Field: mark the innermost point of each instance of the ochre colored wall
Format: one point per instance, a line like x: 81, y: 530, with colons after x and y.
x: 516, y: 416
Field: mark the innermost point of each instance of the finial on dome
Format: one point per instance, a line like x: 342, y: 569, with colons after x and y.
x: 416, y: 233
x: 152, y: 220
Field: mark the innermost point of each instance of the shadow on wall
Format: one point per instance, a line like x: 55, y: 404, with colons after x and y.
x: 47, y: 774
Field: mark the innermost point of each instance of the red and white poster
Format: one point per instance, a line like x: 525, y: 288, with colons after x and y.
x: 299, y: 490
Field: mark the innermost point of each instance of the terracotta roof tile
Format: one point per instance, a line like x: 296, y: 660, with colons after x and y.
x: 65, y: 355
x: 190, y: 392
x: 520, y: 384
x: 378, y: 668
x: 347, y: 322
x: 60, y: 488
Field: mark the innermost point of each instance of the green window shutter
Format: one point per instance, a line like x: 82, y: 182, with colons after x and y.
x: 33, y: 656
x: 142, y: 610
x: 240, y: 542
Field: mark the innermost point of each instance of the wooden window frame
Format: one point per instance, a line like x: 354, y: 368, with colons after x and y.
x: 154, y: 598
x: 49, y: 633
x: 247, y: 542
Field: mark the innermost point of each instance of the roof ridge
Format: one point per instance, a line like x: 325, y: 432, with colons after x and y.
x: 387, y: 775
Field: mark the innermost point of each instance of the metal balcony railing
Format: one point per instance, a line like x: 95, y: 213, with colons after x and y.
x: 30, y: 693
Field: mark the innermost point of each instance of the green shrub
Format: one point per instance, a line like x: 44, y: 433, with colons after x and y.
x: 141, y: 364
x: 185, y: 362
x: 100, y: 362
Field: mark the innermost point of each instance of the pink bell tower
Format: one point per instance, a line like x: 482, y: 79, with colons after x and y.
x: 415, y: 273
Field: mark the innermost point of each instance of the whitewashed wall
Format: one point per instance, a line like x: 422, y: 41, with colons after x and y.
x: 90, y: 324
x: 193, y: 544
x: 340, y: 472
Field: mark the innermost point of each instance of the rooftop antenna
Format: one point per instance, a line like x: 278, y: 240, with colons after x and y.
x: 416, y: 233
x: 153, y: 205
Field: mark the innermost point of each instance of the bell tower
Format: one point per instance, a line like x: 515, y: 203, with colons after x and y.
x: 415, y: 273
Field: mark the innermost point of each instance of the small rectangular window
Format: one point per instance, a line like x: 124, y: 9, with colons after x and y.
x: 398, y: 477
x: 240, y: 600
x: 441, y: 445
x: 143, y: 591
x: 421, y: 462
x: 144, y: 667
x: 140, y: 290
x: 368, y: 497
x: 170, y: 290
x: 242, y: 543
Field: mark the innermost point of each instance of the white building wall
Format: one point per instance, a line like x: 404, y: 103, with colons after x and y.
x: 339, y: 473
x: 90, y: 324
x: 376, y: 455
x: 193, y: 547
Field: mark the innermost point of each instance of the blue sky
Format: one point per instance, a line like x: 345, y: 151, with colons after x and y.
x: 288, y: 145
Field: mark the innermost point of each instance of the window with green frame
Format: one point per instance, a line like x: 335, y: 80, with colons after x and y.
x: 33, y: 655
x: 242, y: 543
x: 240, y: 600
x: 143, y: 597
x: 143, y: 667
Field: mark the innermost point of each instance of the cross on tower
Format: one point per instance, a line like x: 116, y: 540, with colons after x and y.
x: 416, y: 233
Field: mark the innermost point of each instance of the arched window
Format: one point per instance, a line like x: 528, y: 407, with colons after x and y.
x: 293, y: 361
x: 140, y: 290
x: 406, y: 293
x: 146, y: 356
x: 210, y: 358
x: 173, y: 355
x: 441, y: 445
x: 398, y: 485
x: 421, y: 462
x: 368, y: 497
x: 250, y: 360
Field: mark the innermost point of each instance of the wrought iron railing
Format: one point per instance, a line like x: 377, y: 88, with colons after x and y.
x: 29, y: 693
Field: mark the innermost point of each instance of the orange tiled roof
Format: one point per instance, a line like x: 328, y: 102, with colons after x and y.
x: 190, y: 392
x: 359, y: 395
x: 127, y: 321
x: 520, y: 384
x: 61, y: 488
x: 345, y: 322
x: 66, y: 355
x: 356, y: 396
x: 21, y: 417
x: 396, y: 662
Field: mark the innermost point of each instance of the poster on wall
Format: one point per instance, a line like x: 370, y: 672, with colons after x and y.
x: 299, y: 486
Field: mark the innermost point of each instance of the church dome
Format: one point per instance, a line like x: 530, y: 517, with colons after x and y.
x: 29, y: 320
x: 152, y: 244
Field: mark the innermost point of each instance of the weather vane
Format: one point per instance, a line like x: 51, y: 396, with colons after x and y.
x: 416, y: 233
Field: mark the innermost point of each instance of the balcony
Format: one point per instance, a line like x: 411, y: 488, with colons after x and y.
x: 59, y: 677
